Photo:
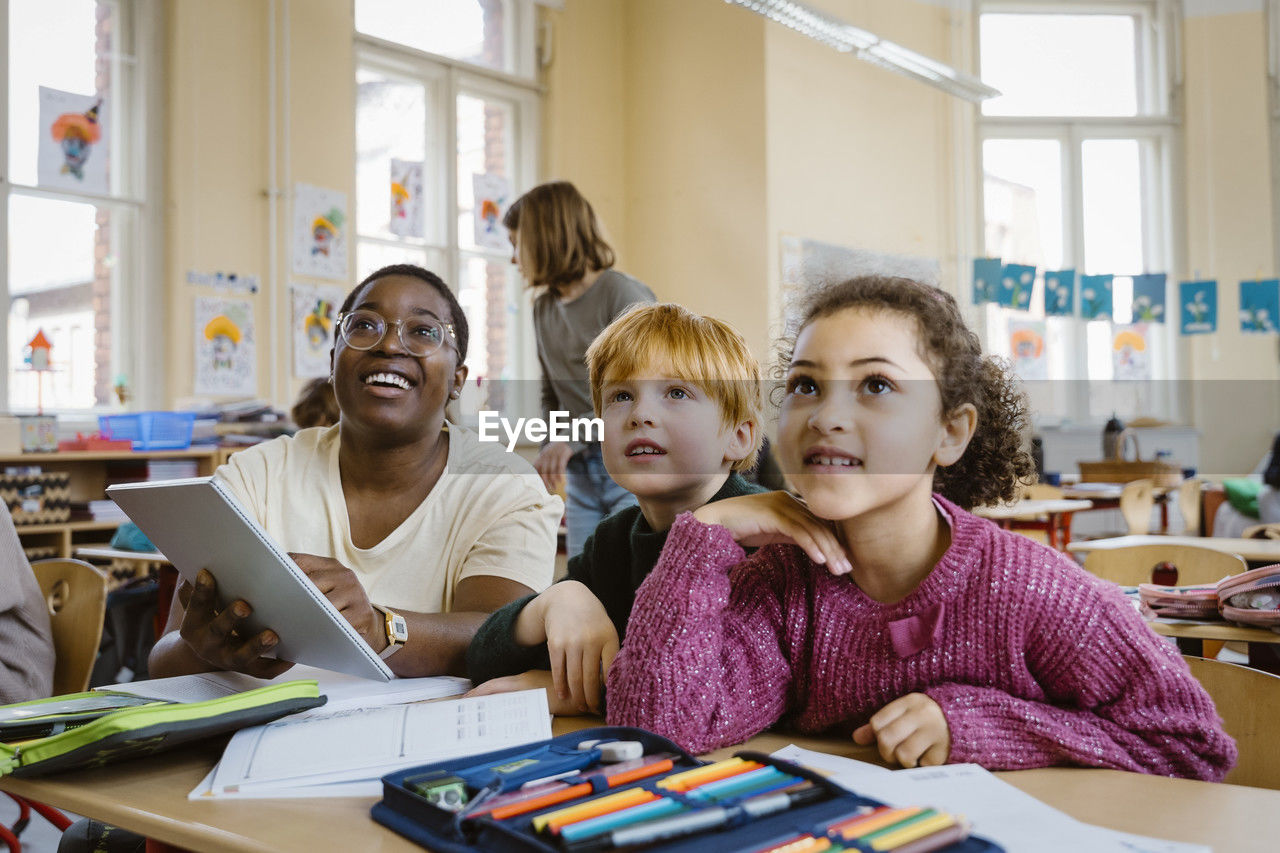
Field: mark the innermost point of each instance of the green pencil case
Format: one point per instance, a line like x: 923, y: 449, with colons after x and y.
x: 146, y: 729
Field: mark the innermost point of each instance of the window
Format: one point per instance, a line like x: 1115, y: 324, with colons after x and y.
x: 74, y: 236
x: 1077, y: 157
x: 450, y: 127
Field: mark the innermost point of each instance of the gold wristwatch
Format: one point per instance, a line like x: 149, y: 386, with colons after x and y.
x: 397, y: 631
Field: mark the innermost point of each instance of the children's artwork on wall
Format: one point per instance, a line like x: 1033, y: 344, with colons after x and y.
x: 1148, y: 298
x: 228, y: 281
x: 1059, y: 293
x: 492, y: 194
x: 73, y: 146
x: 986, y: 279
x: 406, y: 198
x: 1130, y: 355
x: 1016, y: 283
x: 315, y: 314
x: 1198, y: 303
x: 1026, y: 347
x: 226, y: 361
x: 1260, y: 306
x: 319, y: 232
x: 1095, y: 297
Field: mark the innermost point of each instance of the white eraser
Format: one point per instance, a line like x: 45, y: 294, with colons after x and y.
x: 621, y: 750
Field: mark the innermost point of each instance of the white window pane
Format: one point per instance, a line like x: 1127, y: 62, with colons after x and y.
x: 476, y: 31
x: 1098, y: 345
x: 371, y: 256
x: 1022, y: 197
x: 1112, y: 203
x: 485, y: 146
x: 391, y: 118
x: 63, y: 266
x: 76, y: 46
x: 1060, y: 65
x: 487, y: 291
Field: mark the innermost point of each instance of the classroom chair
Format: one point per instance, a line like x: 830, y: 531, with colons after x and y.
x: 1245, y: 699
x: 1132, y: 566
x: 1189, y: 504
x: 1041, y: 492
x: 76, y: 594
x: 1137, y: 500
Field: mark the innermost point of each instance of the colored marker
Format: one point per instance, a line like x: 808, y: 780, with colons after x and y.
x: 913, y: 832
x: 708, y: 773
x: 592, y: 808
x: 938, y: 841
x: 876, y: 820
x: 740, y: 782
x: 522, y: 802
x: 623, y: 817
x: 870, y: 837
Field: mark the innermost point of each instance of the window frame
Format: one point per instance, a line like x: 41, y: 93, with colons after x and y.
x: 136, y: 296
x: 1157, y: 124
x: 446, y: 79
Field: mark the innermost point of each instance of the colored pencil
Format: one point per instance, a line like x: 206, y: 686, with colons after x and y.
x: 913, y: 832
x: 592, y: 808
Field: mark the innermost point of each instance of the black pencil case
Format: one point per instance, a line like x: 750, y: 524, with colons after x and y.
x: 410, y: 814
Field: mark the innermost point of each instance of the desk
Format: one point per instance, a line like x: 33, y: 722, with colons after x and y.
x: 149, y: 795
x: 1051, y: 516
x: 1256, y: 550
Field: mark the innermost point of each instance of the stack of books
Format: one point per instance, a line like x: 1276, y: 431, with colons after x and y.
x: 146, y: 470
x: 103, y: 510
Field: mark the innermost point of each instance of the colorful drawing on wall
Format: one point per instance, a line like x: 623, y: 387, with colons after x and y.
x: 1149, y: 298
x: 986, y: 279
x: 491, y: 194
x: 226, y: 358
x: 319, y: 232
x: 315, y: 313
x: 1130, y: 355
x: 1016, y: 283
x: 406, y: 198
x: 1026, y: 348
x: 1059, y: 293
x: 1095, y: 297
x: 1198, y: 301
x: 72, y: 150
x: 1260, y: 306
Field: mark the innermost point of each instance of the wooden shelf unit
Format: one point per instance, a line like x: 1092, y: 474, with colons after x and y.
x: 90, y: 475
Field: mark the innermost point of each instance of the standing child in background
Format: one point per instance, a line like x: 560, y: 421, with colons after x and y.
x: 316, y: 405
x: 680, y: 398
x: 930, y: 632
x: 559, y: 245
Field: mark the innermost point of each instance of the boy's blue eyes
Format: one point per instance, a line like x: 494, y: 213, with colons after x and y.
x: 673, y: 393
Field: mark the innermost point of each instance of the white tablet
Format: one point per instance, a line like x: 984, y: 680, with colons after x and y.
x: 197, y: 524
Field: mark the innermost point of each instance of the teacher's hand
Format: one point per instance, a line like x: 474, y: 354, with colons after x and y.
x: 214, y: 635
x: 551, y: 462
x: 344, y: 591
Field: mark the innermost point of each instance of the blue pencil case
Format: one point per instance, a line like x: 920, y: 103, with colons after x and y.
x: 519, y: 799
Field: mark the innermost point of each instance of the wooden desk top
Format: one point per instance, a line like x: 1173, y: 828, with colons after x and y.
x: 119, y: 554
x: 1214, y: 631
x: 149, y: 795
x: 1022, y: 509
x: 1260, y: 550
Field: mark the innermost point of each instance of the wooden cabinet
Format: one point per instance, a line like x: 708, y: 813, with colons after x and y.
x: 90, y: 473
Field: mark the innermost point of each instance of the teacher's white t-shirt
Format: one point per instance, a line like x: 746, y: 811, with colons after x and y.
x: 489, y: 514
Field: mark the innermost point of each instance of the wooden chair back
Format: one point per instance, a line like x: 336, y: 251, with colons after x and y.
x: 1132, y: 566
x: 76, y: 595
x: 1041, y: 492
x: 1137, y: 500
x: 1246, y: 700
x: 1189, y: 504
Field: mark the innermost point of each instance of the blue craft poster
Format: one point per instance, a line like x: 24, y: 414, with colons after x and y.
x: 1016, y: 283
x: 1148, y: 298
x: 1060, y: 293
x: 1095, y: 297
x: 1198, y: 301
x: 986, y: 279
x: 1260, y: 305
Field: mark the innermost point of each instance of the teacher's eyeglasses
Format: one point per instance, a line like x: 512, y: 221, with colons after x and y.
x: 363, y: 329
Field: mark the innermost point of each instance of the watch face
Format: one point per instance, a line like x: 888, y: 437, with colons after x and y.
x: 399, y: 627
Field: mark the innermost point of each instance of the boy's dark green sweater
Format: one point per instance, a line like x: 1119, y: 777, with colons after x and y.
x: 616, y: 558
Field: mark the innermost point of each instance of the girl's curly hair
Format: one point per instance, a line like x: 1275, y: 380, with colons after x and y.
x: 994, y: 464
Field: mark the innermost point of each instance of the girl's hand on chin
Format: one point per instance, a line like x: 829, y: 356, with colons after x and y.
x: 771, y: 517
x: 911, y: 731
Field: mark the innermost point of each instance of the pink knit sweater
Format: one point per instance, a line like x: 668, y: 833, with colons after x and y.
x: 1033, y: 661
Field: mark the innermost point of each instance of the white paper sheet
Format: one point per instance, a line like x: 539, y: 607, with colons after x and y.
x: 997, y: 810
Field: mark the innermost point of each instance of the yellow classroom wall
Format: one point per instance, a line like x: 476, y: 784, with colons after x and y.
x: 702, y: 133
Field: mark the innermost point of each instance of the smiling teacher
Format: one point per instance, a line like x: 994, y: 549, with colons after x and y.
x: 411, y: 527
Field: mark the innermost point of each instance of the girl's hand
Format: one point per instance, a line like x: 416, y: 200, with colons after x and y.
x: 778, y: 517
x: 341, y: 586
x: 531, y: 680
x: 581, y: 642
x: 911, y: 731
x: 214, y: 634
x: 551, y: 462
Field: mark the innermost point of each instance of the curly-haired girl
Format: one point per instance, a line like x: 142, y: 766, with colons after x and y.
x: 884, y: 608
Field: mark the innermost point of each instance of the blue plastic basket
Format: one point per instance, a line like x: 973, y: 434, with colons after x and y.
x: 150, y: 430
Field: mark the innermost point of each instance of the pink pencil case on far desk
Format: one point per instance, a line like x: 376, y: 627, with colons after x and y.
x: 1182, y: 602
x: 1252, y: 598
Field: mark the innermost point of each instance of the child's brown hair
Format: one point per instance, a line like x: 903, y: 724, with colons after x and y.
x: 702, y: 350
x: 994, y: 464
x: 558, y: 238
